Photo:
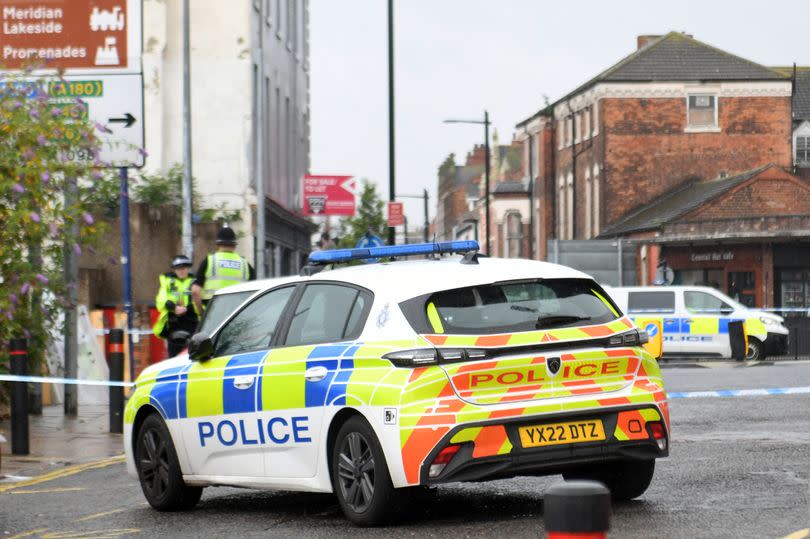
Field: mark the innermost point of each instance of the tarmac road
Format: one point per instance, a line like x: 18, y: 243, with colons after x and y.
x: 739, y: 467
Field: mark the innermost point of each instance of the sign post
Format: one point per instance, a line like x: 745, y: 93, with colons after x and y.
x: 96, y: 45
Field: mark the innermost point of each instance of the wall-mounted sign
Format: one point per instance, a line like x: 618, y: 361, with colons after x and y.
x: 712, y: 257
x: 328, y: 195
x: 396, y: 216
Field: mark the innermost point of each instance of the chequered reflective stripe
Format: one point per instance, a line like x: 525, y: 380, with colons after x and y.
x: 488, y: 440
x: 632, y: 424
x: 532, y: 337
x: 704, y: 325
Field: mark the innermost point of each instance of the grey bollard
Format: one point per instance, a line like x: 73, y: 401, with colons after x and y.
x: 577, y: 508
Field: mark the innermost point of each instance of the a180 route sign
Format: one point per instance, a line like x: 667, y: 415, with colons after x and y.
x: 97, y: 45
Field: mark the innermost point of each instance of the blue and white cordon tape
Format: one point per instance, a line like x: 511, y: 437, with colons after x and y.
x: 67, y: 381
x: 672, y: 395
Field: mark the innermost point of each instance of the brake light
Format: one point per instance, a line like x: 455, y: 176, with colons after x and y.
x: 659, y: 433
x: 630, y: 338
x: 430, y: 356
x: 442, y: 460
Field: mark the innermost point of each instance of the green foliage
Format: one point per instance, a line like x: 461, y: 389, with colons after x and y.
x: 369, y: 217
x: 158, y: 189
x: 46, y: 145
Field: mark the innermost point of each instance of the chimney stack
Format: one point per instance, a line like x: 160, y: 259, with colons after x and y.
x: 644, y: 40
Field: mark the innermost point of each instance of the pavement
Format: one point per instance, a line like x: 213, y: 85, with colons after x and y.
x: 57, y: 441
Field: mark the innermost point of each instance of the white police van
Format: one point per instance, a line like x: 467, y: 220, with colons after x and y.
x: 695, y: 320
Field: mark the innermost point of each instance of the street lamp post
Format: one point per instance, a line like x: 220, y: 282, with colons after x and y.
x: 485, y: 123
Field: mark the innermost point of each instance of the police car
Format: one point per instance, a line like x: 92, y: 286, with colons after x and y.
x: 379, y: 381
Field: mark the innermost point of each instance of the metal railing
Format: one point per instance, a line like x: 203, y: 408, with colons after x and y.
x: 798, y: 323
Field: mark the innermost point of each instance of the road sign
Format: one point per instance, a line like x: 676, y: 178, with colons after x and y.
x: 366, y: 241
x: 79, y: 36
x: 395, y: 214
x: 328, y: 195
x: 98, y: 45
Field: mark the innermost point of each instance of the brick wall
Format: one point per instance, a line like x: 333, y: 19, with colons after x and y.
x: 647, y: 151
x: 764, y: 196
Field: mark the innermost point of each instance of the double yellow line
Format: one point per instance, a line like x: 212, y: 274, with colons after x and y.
x: 64, y: 472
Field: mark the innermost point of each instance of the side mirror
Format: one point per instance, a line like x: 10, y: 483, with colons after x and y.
x: 200, y: 347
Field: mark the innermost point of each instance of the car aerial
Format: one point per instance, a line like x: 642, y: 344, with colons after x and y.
x: 380, y: 381
x: 695, y: 320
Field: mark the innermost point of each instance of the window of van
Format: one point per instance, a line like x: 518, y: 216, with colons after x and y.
x: 701, y: 302
x: 651, y: 302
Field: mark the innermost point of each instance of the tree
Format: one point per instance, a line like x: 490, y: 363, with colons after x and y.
x: 47, y: 147
x: 369, y: 217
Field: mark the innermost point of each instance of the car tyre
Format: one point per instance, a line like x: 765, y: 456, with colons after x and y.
x: 159, y: 470
x: 626, y: 480
x: 360, y: 477
x: 754, y: 350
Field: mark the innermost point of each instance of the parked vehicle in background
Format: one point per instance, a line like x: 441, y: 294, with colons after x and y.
x: 695, y: 320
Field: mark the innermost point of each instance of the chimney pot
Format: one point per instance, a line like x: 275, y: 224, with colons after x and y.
x: 644, y: 40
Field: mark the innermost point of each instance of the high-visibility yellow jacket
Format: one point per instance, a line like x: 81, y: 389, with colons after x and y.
x: 223, y: 269
x: 173, y: 291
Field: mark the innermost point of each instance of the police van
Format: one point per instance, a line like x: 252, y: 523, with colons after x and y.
x: 379, y: 381
x: 695, y: 320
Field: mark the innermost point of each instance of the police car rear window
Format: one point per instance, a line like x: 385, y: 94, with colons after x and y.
x: 651, y: 302
x: 517, y: 306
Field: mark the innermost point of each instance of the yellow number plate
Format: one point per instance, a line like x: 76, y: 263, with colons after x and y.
x: 573, y: 432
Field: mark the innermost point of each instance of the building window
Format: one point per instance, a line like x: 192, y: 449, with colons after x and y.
x: 577, y: 127
x: 561, y: 208
x: 569, y: 131
x: 560, y: 133
x: 586, y: 128
x: 595, y: 186
x: 514, y: 235
x: 588, y: 204
x: 702, y: 111
x: 803, y: 151
x: 595, y: 109
x: 569, y: 208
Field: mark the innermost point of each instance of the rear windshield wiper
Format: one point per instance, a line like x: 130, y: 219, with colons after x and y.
x: 556, y: 320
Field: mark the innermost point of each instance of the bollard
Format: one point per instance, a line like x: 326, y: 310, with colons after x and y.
x: 115, y: 357
x: 577, y: 509
x: 19, y: 398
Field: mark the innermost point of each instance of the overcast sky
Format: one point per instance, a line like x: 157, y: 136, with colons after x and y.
x: 455, y: 58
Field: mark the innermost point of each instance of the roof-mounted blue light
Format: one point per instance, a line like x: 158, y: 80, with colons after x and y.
x: 345, y: 255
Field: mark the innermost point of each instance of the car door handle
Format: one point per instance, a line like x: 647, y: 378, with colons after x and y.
x: 315, y: 374
x: 243, y: 382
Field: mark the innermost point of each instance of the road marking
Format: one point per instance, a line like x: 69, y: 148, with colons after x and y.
x: 740, y: 392
x: 65, y: 472
x: 801, y: 534
x: 28, y: 534
x: 99, y: 515
x: 48, y: 490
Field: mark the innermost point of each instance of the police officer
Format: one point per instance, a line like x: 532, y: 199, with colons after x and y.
x: 173, y: 301
x: 220, y: 269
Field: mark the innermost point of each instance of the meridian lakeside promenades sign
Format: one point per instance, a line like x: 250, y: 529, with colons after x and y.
x: 97, y: 46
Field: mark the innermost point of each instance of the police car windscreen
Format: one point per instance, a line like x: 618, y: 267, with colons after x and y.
x: 220, y: 307
x: 522, y: 306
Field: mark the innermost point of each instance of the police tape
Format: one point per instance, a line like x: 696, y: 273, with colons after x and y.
x: 65, y: 381
x: 740, y: 392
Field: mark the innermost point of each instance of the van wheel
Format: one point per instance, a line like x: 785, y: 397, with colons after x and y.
x: 159, y: 470
x: 754, y: 350
x: 625, y: 480
x: 360, y: 477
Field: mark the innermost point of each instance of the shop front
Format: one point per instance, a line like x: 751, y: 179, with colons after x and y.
x: 742, y: 271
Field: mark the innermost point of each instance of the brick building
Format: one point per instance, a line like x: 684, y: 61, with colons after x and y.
x: 687, y: 149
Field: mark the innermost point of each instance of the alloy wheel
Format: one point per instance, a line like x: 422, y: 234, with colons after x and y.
x: 356, y: 472
x: 154, y: 463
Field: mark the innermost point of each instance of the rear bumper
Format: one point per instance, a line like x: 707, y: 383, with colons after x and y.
x: 465, y: 466
x: 776, y: 344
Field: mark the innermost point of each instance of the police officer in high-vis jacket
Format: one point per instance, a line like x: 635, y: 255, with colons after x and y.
x: 173, y: 301
x: 220, y: 269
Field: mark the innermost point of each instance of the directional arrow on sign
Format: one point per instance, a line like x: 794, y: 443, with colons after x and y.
x: 128, y: 119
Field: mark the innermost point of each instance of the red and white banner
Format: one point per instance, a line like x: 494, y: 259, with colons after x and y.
x: 396, y: 216
x: 329, y: 195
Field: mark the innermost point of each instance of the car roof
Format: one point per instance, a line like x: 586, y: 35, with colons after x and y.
x: 405, y: 279
x: 662, y: 288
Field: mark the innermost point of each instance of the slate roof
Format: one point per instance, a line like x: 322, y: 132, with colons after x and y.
x: 801, y: 97
x: 510, y: 187
x: 679, y: 57
x: 677, y: 203
x: 465, y: 174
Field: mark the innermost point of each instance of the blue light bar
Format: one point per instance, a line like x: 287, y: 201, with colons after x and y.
x: 345, y: 255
